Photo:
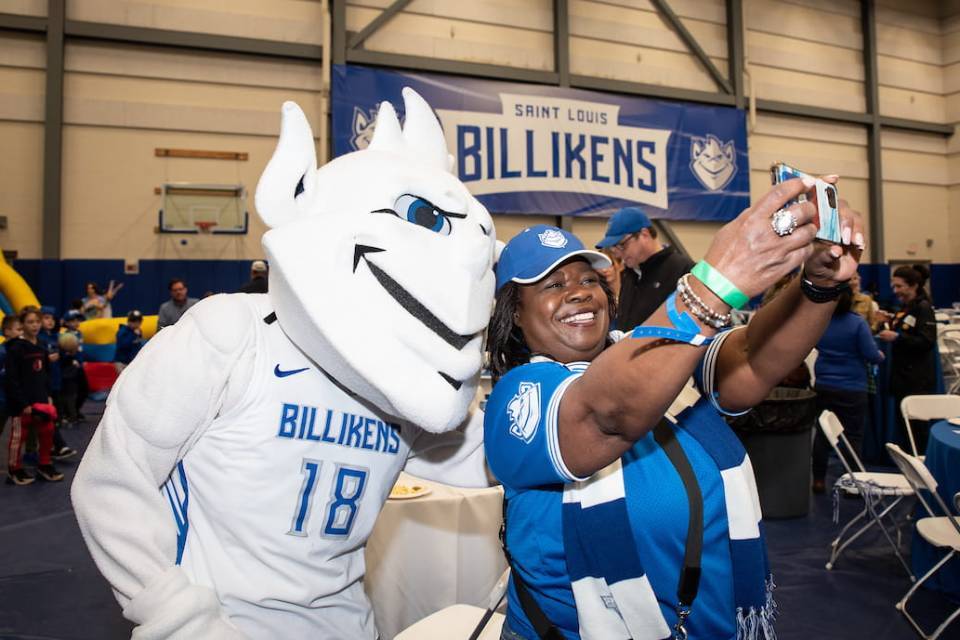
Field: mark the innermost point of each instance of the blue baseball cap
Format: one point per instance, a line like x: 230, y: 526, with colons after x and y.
x: 536, y: 251
x: 624, y: 222
x: 47, y: 310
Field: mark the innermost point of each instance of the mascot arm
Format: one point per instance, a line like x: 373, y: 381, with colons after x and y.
x: 159, y: 407
x: 454, y: 457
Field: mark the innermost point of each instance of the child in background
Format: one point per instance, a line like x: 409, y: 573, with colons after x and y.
x: 27, y: 386
x: 48, y: 337
x: 129, y: 340
x: 72, y: 322
x: 72, y: 369
x: 11, y: 329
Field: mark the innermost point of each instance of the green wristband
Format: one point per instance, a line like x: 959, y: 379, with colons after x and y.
x: 719, y: 284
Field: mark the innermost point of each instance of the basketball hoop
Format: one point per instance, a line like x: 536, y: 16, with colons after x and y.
x: 205, y: 226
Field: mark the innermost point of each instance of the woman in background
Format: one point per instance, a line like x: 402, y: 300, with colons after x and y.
x: 96, y: 304
x: 844, y: 349
x: 913, y: 332
x: 863, y: 303
x: 611, y: 274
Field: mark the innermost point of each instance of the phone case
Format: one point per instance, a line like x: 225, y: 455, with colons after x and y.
x: 826, y: 197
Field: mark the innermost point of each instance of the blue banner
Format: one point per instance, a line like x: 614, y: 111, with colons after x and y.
x: 523, y: 148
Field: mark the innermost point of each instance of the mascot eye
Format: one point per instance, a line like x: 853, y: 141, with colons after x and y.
x: 423, y: 213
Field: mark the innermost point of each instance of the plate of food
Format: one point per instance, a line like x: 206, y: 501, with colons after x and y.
x: 403, y: 491
x: 954, y: 421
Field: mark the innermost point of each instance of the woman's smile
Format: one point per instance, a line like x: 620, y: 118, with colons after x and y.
x: 565, y: 315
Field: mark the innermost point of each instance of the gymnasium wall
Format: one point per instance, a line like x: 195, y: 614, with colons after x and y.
x: 122, y: 101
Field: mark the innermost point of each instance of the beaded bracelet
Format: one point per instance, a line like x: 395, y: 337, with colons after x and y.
x: 719, y: 284
x: 698, y: 307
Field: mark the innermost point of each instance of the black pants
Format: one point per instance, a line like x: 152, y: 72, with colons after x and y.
x: 68, y: 400
x: 851, y: 409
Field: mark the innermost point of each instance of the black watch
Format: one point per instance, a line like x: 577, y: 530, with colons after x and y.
x: 818, y: 294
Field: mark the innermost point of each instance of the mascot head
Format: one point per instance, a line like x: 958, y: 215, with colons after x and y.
x: 381, y: 264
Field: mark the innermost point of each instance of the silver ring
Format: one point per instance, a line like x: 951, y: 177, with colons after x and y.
x: 783, y: 222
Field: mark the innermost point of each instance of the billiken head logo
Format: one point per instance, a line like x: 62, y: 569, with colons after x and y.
x: 713, y: 162
x: 363, y: 126
x: 553, y: 239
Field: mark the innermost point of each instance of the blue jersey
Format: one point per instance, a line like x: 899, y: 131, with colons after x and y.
x: 522, y: 448
x: 129, y: 344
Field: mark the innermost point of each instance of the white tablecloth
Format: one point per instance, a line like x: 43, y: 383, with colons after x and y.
x: 431, y: 552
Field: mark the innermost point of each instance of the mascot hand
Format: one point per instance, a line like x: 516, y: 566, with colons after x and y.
x: 173, y: 608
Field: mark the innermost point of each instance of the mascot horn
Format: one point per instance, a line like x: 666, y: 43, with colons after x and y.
x: 245, y: 453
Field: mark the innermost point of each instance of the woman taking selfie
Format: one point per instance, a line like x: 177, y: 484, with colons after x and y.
x: 621, y: 522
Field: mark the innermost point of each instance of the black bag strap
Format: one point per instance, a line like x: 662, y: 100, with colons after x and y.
x: 545, y: 629
x: 689, y: 582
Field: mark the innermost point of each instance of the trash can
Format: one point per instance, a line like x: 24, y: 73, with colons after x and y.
x: 778, y: 436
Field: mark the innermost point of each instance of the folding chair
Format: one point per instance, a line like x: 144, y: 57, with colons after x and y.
x: 931, y: 407
x: 874, y: 488
x: 941, y: 532
x: 462, y: 621
x: 949, y: 345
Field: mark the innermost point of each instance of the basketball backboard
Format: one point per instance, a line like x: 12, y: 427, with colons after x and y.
x: 209, y: 208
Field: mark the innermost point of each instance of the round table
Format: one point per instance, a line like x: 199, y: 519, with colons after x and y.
x: 433, y: 551
x: 943, y: 460
x: 882, y: 425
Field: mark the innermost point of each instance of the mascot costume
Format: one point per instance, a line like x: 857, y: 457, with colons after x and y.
x: 244, y: 455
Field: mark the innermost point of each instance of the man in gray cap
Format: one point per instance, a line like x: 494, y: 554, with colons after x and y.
x: 258, y: 278
x: 651, y: 270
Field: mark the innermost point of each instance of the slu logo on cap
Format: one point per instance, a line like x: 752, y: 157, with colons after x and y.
x: 553, y: 239
x: 713, y: 162
x: 524, y: 411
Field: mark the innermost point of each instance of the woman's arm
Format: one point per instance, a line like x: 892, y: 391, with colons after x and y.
x: 628, y: 387
x: 868, y: 346
x: 926, y: 329
x: 782, y: 333
x: 112, y: 290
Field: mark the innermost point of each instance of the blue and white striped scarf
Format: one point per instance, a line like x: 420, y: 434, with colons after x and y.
x: 613, y: 595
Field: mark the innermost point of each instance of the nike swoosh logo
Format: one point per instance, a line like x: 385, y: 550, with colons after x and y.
x: 280, y: 373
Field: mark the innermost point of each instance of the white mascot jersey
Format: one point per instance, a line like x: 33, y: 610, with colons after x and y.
x: 244, y: 455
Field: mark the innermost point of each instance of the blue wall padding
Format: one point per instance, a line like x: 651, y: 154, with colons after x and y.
x: 99, y: 352
x: 58, y: 282
x: 945, y: 284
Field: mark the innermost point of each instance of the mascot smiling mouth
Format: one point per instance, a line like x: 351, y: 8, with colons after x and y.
x: 412, y: 305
